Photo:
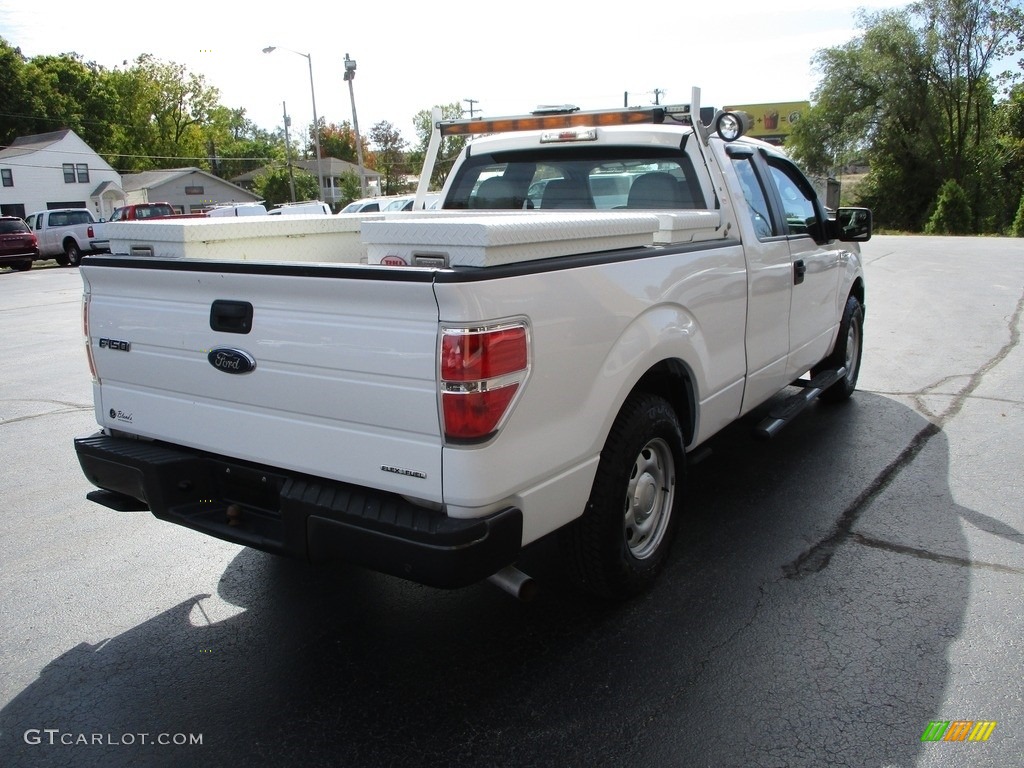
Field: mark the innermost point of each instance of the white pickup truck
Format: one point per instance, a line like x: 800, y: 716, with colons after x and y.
x: 65, y: 234
x: 600, y: 294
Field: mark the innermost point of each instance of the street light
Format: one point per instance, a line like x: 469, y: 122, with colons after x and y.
x: 350, y: 75
x: 316, y: 121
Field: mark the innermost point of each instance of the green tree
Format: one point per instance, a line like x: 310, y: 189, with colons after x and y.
x: 237, y: 145
x: 1008, y: 182
x: 389, y: 157
x: 161, y: 110
x: 16, y: 118
x: 915, y: 93
x: 448, y: 150
x: 48, y: 93
x: 71, y: 94
x: 274, y: 186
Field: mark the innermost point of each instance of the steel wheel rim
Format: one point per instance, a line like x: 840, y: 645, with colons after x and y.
x: 852, y: 351
x: 649, y: 498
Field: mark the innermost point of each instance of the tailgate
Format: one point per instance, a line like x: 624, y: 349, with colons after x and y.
x: 324, y: 370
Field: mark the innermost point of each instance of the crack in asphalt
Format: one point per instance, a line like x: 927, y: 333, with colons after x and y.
x: 818, y: 556
x: 925, y: 554
x: 63, y: 406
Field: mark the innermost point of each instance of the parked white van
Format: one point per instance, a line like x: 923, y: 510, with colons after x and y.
x: 307, y: 207
x: 239, y: 209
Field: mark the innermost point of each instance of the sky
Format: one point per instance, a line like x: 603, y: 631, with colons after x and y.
x: 410, y: 55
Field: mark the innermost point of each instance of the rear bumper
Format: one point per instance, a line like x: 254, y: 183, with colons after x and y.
x: 298, y: 516
x: 17, y: 258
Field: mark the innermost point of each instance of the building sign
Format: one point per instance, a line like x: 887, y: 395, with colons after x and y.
x: 773, y: 121
x: 193, y: 190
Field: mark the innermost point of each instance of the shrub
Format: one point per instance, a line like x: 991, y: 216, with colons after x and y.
x: 952, y: 215
x: 1017, y: 228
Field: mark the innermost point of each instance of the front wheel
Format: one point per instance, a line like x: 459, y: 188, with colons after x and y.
x: 23, y: 266
x: 618, y: 546
x: 849, y: 347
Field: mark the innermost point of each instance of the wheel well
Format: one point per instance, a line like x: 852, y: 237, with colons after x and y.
x: 72, y: 240
x: 671, y: 380
x: 858, y: 291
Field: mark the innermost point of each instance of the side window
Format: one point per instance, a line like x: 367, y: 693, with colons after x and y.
x: 798, y: 199
x: 753, y: 194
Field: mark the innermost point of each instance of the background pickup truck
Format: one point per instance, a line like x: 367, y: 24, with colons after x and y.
x: 145, y: 211
x: 601, y: 293
x: 138, y: 212
x: 65, y: 234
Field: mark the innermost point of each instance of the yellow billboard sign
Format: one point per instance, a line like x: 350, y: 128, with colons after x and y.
x: 773, y: 120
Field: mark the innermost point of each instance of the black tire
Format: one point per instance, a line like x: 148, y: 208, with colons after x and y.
x: 23, y: 266
x: 849, y: 347
x: 62, y: 260
x: 72, y: 252
x: 619, y: 545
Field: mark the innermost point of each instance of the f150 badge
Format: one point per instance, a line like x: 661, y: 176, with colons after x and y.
x: 231, y: 360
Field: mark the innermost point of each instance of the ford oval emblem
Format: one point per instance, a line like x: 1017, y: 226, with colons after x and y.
x: 231, y: 360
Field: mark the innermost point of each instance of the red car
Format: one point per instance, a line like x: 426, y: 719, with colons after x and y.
x: 18, y: 244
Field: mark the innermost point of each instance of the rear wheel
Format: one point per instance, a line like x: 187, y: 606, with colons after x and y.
x: 618, y: 546
x: 23, y: 266
x: 72, y: 252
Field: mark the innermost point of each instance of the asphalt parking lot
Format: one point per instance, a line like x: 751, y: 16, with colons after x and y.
x: 833, y: 592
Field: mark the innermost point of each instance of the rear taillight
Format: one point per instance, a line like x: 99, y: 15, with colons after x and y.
x: 89, y: 231
x: 481, y: 372
x: 88, y: 341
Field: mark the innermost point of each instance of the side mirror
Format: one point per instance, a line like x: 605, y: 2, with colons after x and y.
x: 851, y: 225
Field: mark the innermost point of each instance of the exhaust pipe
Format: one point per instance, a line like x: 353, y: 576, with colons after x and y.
x: 515, y: 582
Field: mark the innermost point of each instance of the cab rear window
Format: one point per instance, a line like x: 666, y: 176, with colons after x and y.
x: 572, y: 178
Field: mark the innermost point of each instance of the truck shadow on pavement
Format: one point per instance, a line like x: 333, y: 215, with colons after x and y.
x: 770, y: 639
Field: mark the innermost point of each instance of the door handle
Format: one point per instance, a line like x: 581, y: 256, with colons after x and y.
x: 231, y: 316
x: 799, y: 270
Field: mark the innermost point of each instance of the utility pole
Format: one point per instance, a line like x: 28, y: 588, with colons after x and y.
x: 288, y: 149
x: 472, y: 111
x: 349, y: 76
x: 657, y: 95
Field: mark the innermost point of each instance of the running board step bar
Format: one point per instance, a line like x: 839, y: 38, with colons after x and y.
x: 786, y: 411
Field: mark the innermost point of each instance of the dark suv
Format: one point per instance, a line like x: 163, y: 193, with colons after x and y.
x: 18, y: 244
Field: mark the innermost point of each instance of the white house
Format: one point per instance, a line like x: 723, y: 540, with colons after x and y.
x: 333, y: 169
x: 56, y: 170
